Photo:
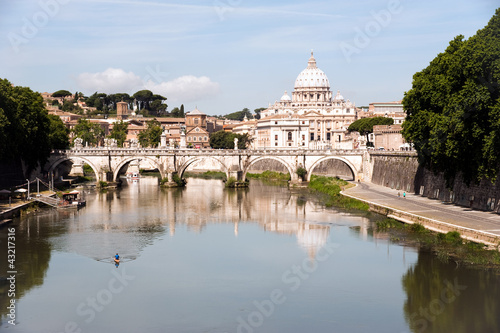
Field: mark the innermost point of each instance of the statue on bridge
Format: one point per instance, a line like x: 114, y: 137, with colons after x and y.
x: 78, y: 143
x: 235, y: 143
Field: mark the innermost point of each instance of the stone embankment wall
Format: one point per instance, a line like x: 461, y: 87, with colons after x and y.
x: 393, y: 170
x: 402, y: 172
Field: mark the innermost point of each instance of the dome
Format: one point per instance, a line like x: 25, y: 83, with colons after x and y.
x: 338, y: 97
x: 285, y: 97
x: 312, y: 76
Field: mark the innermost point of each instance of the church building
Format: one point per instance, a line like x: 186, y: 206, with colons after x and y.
x: 312, y: 103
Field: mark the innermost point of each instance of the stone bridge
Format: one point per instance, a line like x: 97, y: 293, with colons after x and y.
x: 109, y: 163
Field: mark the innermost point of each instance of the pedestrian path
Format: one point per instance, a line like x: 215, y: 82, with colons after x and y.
x: 464, y: 217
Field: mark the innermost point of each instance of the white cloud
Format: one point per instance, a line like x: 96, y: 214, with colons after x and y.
x: 112, y: 80
x: 184, y: 89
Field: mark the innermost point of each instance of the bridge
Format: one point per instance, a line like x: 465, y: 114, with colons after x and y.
x: 108, y: 163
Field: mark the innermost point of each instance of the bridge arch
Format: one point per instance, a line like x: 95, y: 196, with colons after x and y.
x: 126, y: 160
x: 260, y: 158
x: 187, y: 163
x: 347, y: 162
x: 55, y: 163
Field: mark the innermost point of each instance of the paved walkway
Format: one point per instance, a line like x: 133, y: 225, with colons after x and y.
x: 429, y: 208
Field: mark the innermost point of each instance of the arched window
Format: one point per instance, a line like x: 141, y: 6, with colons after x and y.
x: 289, y: 136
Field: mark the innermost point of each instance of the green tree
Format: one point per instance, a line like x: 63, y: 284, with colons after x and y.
x: 453, y: 108
x: 119, y: 132
x: 58, y: 133
x: 89, y: 132
x: 258, y: 111
x: 225, y: 140
x: 151, y: 136
x: 365, y: 125
x: 24, y: 126
x: 239, y: 115
x: 61, y: 93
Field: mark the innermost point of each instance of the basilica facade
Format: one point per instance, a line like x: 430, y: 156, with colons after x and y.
x: 312, y: 117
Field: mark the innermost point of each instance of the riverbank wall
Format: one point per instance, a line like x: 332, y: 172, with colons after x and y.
x: 401, y: 171
x: 478, y: 236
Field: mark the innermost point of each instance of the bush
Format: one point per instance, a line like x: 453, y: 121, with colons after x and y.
x: 301, y: 172
x: 231, y: 182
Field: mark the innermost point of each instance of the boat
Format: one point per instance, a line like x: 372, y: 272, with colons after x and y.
x: 72, y: 200
x: 133, y: 175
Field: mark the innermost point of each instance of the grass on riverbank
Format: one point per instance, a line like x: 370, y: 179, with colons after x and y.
x: 449, y: 246
x: 270, y: 175
x: 330, y: 188
x: 206, y: 175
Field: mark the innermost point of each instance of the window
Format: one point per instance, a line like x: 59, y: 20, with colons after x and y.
x: 197, y: 129
x: 196, y: 121
x: 303, y: 137
x: 205, y: 138
x: 199, y: 139
x: 327, y: 136
x: 276, y: 144
x: 312, y: 136
x: 303, y: 122
x: 276, y: 137
x: 275, y: 123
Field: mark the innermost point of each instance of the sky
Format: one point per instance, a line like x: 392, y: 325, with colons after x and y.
x: 224, y: 55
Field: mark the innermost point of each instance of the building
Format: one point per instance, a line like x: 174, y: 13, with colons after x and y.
x: 392, y: 110
x: 197, y: 135
x: 282, y: 131
x: 388, y: 137
x: 311, y: 101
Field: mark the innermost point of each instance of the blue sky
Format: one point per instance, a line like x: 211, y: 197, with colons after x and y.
x: 224, y: 55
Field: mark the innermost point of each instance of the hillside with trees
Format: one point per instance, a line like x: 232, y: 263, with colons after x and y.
x: 453, y: 108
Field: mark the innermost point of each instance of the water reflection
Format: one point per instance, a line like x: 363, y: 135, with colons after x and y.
x: 202, y: 255
x: 442, y: 297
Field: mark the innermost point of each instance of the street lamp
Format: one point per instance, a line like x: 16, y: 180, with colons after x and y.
x: 28, y: 189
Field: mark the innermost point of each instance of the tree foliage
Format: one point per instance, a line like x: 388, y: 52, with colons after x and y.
x: 61, y: 93
x: 225, y: 140
x: 24, y: 125
x: 58, y: 133
x: 258, y: 111
x: 365, y: 125
x: 119, y: 132
x: 239, y: 115
x: 90, y: 133
x: 151, y: 136
x: 453, y: 108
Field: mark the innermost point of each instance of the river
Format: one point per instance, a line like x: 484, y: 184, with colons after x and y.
x: 209, y: 259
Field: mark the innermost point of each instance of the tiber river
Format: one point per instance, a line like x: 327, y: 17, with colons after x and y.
x: 207, y: 259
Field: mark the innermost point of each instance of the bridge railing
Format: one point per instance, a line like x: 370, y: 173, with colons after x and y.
x: 211, y: 152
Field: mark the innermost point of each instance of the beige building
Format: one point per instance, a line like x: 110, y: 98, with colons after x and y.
x: 388, y: 137
x: 392, y: 110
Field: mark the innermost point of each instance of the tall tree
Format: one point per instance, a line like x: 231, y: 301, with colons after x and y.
x: 119, y: 132
x: 89, y: 132
x: 453, y: 108
x: 58, y: 133
x: 225, y: 140
x: 24, y: 125
x: 365, y: 125
x: 257, y: 112
x: 151, y: 136
x: 61, y: 93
